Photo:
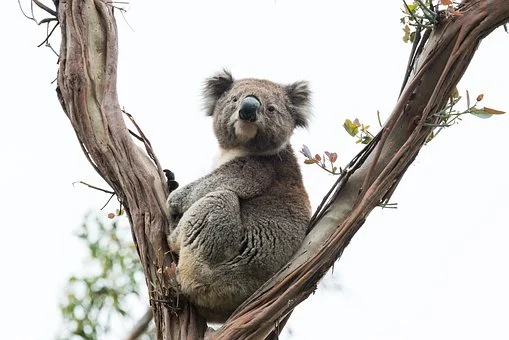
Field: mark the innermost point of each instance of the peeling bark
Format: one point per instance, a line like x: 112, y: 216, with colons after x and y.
x: 439, y: 68
x: 87, y: 92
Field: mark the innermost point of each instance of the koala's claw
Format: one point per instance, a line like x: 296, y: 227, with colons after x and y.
x: 170, y: 180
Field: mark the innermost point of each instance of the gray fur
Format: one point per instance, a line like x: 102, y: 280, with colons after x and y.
x: 238, y: 225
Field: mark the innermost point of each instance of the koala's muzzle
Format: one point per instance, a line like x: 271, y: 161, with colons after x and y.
x: 249, y: 109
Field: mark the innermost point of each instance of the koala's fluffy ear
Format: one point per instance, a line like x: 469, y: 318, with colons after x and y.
x: 299, y: 96
x: 214, y: 88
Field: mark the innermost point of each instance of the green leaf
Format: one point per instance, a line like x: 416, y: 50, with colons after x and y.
x: 406, y: 35
x: 412, y: 36
x: 350, y: 127
x: 480, y: 113
x: 366, y: 140
x: 412, y: 7
x: 310, y: 161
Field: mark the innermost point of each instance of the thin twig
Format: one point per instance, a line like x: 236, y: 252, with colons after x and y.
x: 411, y: 58
x: 46, y: 8
x: 48, y: 35
x: 108, y: 201
x: 26, y: 15
x: 146, y: 142
x: 94, y: 187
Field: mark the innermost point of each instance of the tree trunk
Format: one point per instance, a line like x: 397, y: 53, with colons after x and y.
x: 87, y: 91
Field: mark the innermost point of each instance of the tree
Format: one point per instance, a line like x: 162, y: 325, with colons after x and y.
x: 86, y: 86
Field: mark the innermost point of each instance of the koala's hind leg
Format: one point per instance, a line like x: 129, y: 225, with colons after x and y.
x: 210, y: 234
x: 215, y: 214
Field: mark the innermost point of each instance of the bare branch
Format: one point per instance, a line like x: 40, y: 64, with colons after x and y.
x: 48, y: 35
x: 141, y: 326
x: 26, y: 15
x: 46, y: 8
x: 94, y: 187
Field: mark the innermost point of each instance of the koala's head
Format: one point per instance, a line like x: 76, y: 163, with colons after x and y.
x: 255, y: 115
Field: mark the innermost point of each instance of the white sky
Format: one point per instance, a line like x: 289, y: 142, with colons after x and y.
x: 435, y: 268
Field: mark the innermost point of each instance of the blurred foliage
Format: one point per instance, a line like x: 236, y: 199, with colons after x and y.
x: 109, y: 285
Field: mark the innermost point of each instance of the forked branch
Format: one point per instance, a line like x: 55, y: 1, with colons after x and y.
x: 87, y: 90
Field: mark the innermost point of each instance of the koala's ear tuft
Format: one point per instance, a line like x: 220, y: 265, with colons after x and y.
x: 299, y: 96
x: 214, y: 88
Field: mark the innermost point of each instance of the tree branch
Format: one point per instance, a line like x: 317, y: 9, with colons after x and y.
x: 87, y: 91
x: 141, y: 326
x: 438, y: 69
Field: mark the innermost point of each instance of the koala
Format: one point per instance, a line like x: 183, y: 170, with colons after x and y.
x: 238, y: 225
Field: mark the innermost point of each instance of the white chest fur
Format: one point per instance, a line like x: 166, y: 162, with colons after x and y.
x: 226, y: 155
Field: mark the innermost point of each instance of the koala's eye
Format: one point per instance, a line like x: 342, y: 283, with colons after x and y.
x: 271, y: 108
x: 234, y: 99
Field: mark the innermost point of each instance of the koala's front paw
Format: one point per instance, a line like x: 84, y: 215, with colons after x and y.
x: 178, y: 201
x: 174, y: 240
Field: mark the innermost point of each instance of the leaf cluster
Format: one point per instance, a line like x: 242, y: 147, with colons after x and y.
x: 326, y: 161
x: 357, y: 129
x: 425, y: 14
x: 450, y: 115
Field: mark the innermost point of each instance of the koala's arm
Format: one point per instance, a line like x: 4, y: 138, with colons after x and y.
x: 246, y: 178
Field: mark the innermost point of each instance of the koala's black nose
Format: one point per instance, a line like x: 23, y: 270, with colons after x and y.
x: 249, y: 108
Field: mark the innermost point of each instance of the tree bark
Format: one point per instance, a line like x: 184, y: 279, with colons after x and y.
x: 437, y: 71
x: 87, y: 91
